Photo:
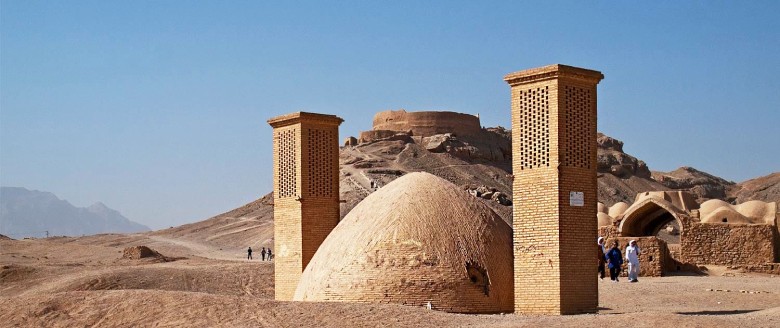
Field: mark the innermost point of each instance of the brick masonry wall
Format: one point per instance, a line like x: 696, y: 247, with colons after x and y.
x: 577, y: 171
x: 579, y: 288
x: 319, y: 218
x: 427, y: 124
x: 607, y: 232
x: 287, y: 247
x: 553, y: 154
x: 653, y: 257
x: 536, y: 261
x: 728, y: 244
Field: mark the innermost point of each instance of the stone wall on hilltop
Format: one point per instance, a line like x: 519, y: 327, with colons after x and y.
x: 427, y: 123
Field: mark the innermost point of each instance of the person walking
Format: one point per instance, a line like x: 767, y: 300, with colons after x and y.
x: 632, y: 256
x: 601, y: 256
x: 270, y: 255
x: 614, y: 261
x: 249, y: 253
x: 262, y: 254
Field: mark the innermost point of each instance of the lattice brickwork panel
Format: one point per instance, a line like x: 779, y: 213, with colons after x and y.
x: 577, y: 120
x: 286, y: 146
x: 320, y: 166
x: 534, y: 128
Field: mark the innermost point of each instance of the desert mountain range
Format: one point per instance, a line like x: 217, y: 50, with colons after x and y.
x: 29, y: 213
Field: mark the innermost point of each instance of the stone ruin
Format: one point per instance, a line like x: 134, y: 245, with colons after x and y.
x: 489, y: 193
x: 426, y: 123
x: 458, y: 134
x: 743, y: 236
x: 144, y: 253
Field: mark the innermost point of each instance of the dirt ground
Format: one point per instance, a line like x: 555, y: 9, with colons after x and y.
x: 66, y: 282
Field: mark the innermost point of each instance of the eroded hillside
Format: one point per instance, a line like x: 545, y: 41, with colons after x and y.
x: 480, y: 165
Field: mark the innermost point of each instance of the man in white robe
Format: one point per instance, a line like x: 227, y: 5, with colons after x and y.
x: 632, y: 257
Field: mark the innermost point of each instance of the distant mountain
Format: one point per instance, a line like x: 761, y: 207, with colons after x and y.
x: 29, y: 213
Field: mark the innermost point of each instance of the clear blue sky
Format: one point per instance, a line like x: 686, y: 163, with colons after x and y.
x: 159, y: 108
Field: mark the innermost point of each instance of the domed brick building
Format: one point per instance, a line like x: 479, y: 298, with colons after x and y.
x: 419, y: 239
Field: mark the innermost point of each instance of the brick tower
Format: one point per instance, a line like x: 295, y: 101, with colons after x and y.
x: 554, y: 189
x: 306, y: 192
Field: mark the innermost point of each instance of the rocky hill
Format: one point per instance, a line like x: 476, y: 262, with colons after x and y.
x: 766, y: 188
x: 620, y: 175
x: 30, y: 213
x: 702, y: 184
x: 478, y: 163
x: 249, y: 225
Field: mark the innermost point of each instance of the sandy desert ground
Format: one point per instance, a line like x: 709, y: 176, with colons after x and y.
x: 67, y: 282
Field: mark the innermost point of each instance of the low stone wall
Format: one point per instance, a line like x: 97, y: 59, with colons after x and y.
x: 427, y: 123
x: 350, y: 141
x: 653, y: 257
x: 728, y: 244
x: 374, y: 135
x: 768, y: 268
x: 608, y: 232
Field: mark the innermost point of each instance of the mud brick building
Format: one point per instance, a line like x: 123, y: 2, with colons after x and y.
x: 713, y: 232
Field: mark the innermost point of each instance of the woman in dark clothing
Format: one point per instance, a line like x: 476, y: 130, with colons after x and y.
x: 601, y: 257
x: 614, y: 261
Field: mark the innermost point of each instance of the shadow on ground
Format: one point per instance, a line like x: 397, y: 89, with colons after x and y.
x: 724, y: 312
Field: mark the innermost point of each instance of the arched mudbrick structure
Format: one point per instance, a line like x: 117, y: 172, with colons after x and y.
x: 647, y: 217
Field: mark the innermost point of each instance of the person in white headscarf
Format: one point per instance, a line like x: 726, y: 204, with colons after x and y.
x: 632, y: 256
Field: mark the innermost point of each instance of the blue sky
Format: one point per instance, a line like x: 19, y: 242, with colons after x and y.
x: 158, y: 108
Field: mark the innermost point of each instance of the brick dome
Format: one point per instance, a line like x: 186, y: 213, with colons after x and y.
x: 751, y: 212
x: 419, y: 239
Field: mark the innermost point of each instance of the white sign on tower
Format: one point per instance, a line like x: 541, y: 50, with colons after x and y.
x: 576, y: 198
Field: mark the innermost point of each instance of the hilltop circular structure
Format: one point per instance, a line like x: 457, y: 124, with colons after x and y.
x: 427, y: 123
x: 419, y: 239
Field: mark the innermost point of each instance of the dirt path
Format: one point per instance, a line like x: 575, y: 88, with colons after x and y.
x: 201, y: 250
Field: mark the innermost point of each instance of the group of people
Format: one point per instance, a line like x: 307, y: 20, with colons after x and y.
x: 613, y: 259
x: 266, y: 254
x: 374, y: 185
